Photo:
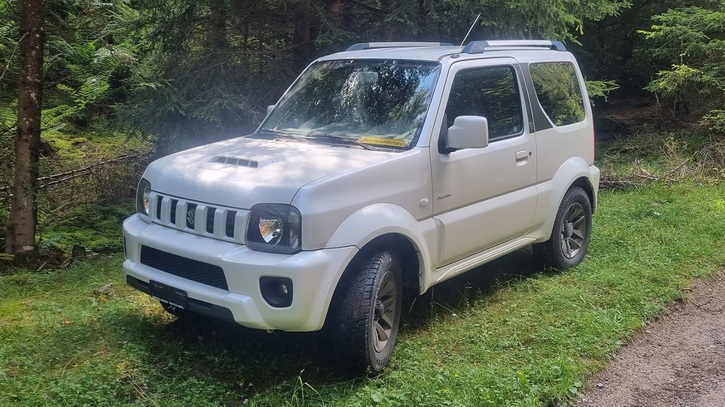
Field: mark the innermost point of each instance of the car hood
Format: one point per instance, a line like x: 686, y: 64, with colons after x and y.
x: 241, y: 172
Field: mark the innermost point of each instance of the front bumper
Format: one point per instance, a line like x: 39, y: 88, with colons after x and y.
x: 314, y: 276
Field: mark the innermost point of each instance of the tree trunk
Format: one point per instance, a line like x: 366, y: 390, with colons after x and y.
x: 388, y: 33
x: 20, y: 233
x: 218, y: 26
x: 424, y: 32
x: 334, y: 7
x: 302, y: 46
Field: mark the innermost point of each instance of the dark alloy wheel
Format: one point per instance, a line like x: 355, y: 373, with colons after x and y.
x: 571, y: 233
x: 368, y: 314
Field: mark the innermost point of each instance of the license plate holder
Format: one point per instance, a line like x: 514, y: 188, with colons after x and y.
x: 169, y: 295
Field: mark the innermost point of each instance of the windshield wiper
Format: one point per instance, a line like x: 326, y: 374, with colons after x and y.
x: 324, y: 137
x: 285, y: 134
x: 341, y: 140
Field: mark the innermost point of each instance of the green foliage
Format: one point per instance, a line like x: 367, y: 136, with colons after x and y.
x: 189, y: 89
x: 8, y: 64
x: 692, y: 40
x: 715, y: 120
x: 601, y: 89
x: 71, y: 211
x: 88, y: 50
x: 96, y: 228
x: 86, y: 56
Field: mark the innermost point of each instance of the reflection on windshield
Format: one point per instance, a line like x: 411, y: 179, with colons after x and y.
x: 378, y: 102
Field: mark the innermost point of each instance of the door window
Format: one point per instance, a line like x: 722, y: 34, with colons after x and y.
x: 557, y: 89
x: 491, y: 92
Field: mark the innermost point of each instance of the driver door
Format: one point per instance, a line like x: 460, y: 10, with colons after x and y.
x: 483, y: 197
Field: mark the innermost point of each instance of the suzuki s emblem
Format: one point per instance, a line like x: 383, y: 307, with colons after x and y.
x: 191, y: 217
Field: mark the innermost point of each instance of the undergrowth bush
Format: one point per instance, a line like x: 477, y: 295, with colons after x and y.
x: 87, y: 187
x: 667, y: 157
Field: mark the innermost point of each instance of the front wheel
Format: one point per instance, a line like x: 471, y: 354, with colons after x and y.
x: 367, y: 316
x: 571, y: 233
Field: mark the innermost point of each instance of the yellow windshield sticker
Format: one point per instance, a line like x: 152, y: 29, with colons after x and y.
x: 383, y: 141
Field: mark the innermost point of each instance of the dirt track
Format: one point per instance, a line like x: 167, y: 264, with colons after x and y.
x: 677, y: 360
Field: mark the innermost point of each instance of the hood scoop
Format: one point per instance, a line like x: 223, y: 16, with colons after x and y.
x: 240, y: 161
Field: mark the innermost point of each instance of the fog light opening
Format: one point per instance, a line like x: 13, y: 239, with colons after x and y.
x: 277, y: 291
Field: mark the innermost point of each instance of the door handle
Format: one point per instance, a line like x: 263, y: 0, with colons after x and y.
x: 522, y: 157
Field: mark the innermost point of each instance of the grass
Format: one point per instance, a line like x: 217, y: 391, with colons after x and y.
x: 506, y: 334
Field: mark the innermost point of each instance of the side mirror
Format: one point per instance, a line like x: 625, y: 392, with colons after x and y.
x: 468, y: 132
x: 269, y: 109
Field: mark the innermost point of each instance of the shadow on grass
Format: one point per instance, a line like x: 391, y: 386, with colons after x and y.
x: 242, y: 361
x: 249, y: 362
x: 460, y: 292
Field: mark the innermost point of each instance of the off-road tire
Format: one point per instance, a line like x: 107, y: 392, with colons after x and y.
x: 367, y: 314
x: 571, y: 233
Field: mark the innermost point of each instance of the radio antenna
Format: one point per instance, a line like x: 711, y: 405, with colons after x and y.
x: 470, y: 29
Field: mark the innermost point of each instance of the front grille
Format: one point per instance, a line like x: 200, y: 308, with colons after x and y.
x: 189, y: 269
x: 199, y: 218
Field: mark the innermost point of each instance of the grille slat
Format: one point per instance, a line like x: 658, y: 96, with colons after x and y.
x: 229, y: 224
x: 159, y: 202
x: 174, y: 209
x: 210, y: 220
x: 183, y: 267
x: 199, y: 218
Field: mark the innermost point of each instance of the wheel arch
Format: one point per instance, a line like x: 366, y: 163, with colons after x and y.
x: 575, y: 172
x: 406, y: 254
x: 585, y: 184
x: 379, y: 225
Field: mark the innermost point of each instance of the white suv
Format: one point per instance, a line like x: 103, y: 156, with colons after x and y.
x: 383, y: 170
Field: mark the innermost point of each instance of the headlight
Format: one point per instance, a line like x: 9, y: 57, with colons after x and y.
x: 143, y: 193
x: 274, y: 228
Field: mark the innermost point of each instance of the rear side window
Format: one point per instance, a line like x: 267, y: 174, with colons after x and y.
x: 491, y: 92
x: 558, y: 91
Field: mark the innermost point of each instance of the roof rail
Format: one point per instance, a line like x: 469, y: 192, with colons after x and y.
x: 371, y: 45
x: 478, y: 47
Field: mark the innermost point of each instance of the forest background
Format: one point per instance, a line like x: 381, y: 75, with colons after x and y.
x: 124, y: 81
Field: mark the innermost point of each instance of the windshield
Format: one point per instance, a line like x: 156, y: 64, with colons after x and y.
x: 371, y: 102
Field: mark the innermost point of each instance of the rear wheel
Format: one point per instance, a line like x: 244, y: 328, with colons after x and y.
x: 571, y: 233
x: 367, y: 316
